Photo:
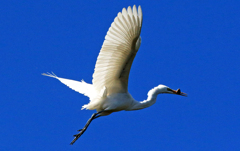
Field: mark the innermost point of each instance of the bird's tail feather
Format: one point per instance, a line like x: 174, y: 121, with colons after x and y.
x: 50, y: 74
x: 79, y: 86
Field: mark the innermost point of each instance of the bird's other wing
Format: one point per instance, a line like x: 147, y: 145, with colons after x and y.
x: 118, y: 51
x: 81, y: 87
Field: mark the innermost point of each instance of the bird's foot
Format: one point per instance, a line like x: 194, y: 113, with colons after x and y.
x: 81, y: 131
x: 77, y: 135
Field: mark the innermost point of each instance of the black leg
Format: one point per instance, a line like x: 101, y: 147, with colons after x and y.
x: 81, y: 131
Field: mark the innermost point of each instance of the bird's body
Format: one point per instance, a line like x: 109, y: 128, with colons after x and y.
x: 116, y: 102
x: 109, y: 91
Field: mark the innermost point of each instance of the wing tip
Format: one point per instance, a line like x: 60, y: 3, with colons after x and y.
x: 139, y: 10
x: 129, y: 8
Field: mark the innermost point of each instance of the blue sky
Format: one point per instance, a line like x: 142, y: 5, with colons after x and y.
x: 192, y: 45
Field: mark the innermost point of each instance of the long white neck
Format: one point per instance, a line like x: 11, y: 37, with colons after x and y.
x: 152, y: 97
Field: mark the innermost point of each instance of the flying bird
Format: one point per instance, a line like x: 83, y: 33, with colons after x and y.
x: 108, y: 92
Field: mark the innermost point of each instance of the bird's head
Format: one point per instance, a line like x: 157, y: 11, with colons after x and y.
x: 165, y: 89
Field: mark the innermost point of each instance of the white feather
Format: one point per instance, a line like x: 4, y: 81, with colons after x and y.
x: 116, y: 51
x: 114, y: 61
x: 81, y: 87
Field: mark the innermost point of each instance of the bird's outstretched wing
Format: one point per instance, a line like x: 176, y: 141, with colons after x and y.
x: 118, y: 51
x: 81, y: 87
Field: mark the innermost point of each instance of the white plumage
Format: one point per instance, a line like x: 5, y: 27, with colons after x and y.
x: 109, y: 89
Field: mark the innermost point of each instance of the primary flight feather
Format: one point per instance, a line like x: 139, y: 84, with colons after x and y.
x: 109, y: 89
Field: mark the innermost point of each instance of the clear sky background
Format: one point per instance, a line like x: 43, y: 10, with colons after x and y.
x: 186, y: 44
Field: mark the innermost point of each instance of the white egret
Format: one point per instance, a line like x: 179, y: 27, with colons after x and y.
x: 108, y: 92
